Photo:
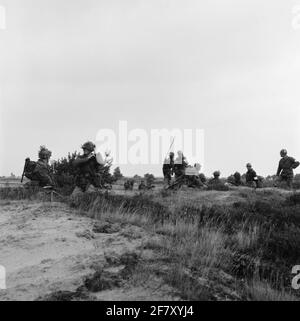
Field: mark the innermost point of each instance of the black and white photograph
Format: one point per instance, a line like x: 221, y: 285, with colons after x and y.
x: 149, y: 153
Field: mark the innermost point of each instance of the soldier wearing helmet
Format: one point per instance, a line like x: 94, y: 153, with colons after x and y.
x: 216, y: 183
x: 88, y: 170
x: 168, y: 169
x: 216, y: 179
x: 42, y: 170
x: 285, y: 168
x: 235, y: 179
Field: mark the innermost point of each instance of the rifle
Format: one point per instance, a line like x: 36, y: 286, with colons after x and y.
x: 23, y: 174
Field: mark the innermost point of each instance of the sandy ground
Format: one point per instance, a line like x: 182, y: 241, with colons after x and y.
x: 47, y: 247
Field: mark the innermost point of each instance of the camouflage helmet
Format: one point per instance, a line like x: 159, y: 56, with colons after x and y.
x: 283, y: 152
x: 237, y: 175
x: 216, y: 173
x: 44, y: 153
x: 90, y: 146
x: 248, y: 165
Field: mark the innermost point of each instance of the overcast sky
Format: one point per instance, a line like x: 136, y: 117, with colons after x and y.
x: 69, y: 68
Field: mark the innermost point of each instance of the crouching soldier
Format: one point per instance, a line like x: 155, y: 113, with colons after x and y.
x: 285, y: 168
x: 40, y: 172
x: 88, y: 176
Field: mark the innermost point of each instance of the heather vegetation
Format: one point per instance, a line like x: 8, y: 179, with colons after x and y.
x: 239, y: 244
x: 251, y: 244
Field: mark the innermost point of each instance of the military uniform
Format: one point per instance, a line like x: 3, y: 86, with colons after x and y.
x: 88, y: 169
x: 180, y: 165
x: 251, y: 178
x: 235, y: 179
x: 194, y: 181
x: 128, y: 185
x: 142, y: 186
x: 216, y: 184
x: 285, y: 169
x: 88, y: 173
x: 42, y: 173
x: 168, y: 168
x: 202, y: 178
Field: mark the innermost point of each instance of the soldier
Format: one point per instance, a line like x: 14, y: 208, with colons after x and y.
x: 235, y: 179
x: 202, y: 178
x: 285, y: 168
x: 168, y: 169
x: 88, y: 176
x: 180, y: 165
x: 40, y: 171
x: 132, y: 184
x: 142, y: 186
x: 192, y: 176
x: 216, y: 179
x: 128, y: 185
x: 215, y: 183
x: 251, y: 177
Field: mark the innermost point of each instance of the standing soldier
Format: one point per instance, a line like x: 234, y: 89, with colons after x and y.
x: 285, y: 168
x: 168, y: 168
x: 251, y: 177
x: 88, y: 170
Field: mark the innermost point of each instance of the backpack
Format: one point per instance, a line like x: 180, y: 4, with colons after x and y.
x: 29, y: 168
x: 295, y: 165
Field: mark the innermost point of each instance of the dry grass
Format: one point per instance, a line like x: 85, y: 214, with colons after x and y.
x: 246, y: 239
x: 254, y: 235
x: 243, y: 232
x: 259, y: 290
